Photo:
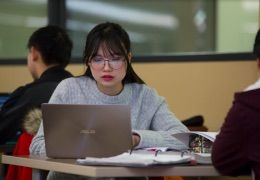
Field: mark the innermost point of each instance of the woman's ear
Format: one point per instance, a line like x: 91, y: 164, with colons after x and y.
x: 87, y: 62
x: 130, y: 57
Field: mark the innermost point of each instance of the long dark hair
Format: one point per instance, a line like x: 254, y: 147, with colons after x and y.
x: 117, y: 41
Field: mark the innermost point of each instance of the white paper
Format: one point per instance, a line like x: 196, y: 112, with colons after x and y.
x: 203, y: 158
x: 185, y: 136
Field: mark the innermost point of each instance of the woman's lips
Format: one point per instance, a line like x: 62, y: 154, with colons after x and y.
x: 107, y: 77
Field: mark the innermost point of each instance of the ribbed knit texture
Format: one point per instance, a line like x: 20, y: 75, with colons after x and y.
x: 150, y: 116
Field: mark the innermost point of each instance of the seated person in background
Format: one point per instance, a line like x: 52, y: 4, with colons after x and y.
x: 110, y: 79
x: 236, y: 150
x: 49, y: 53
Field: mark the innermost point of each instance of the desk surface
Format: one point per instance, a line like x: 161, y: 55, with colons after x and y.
x: 70, y: 166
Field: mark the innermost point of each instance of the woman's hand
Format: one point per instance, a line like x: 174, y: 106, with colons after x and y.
x: 135, y: 139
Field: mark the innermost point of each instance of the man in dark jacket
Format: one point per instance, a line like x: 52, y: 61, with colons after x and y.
x: 236, y: 150
x: 49, y: 53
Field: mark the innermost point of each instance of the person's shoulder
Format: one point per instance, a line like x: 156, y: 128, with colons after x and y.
x: 143, y: 88
x: 256, y: 85
x: 66, y: 74
x: 138, y: 87
x: 79, y: 80
x: 147, y: 94
x: 32, y: 88
x: 248, y: 93
x: 15, y: 95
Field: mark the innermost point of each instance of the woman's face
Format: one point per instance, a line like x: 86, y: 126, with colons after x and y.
x: 108, y: 70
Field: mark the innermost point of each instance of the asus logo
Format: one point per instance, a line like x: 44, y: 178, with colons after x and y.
x: 88, y: 131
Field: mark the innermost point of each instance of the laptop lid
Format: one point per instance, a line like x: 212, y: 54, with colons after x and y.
x: 79, y: 131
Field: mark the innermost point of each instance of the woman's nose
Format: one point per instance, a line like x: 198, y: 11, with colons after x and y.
x: 107, y: 65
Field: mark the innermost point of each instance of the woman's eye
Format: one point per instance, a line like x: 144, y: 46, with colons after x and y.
x: 98, y: 60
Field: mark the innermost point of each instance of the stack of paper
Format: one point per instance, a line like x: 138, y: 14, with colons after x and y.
x: 185, y: 136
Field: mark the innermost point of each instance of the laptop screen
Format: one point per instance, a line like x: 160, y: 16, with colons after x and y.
x: 3, y: 98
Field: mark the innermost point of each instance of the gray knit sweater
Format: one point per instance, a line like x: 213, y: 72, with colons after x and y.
x: 150, y: 116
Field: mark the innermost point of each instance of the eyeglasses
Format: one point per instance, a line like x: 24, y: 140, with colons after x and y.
x: 115, y: 63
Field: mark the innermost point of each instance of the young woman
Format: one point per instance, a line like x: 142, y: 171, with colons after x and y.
x: 110, y: 79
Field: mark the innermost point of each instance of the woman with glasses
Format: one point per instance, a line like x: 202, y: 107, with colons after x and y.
x: 110, y: 79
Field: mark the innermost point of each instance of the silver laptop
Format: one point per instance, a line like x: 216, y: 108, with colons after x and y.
x: 79, y: 131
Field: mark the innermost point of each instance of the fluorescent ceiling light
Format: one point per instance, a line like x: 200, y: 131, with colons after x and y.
x: 123, y: 13
x: 77, y: 25
x: 252, y: 5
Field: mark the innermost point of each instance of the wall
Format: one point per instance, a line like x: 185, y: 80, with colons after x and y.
x: 199, y: 88
x: 204, y: 88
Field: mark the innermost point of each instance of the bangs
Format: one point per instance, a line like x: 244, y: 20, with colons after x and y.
x: 110, y: 38
x: 113, y: 46
x: 93, y: 49
x: 110, y: 47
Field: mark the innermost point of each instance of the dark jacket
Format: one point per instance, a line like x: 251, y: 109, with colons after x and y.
x: 25, y: 98
x: 236, y: 150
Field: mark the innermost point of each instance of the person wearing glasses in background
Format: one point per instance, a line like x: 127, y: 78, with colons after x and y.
x: 110, y: 79
x: 236, y: 150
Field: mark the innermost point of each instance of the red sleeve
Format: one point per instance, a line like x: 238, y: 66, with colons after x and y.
x: 21, y: 148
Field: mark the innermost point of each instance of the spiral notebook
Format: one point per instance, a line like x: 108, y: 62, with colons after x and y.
x: 139, y: 159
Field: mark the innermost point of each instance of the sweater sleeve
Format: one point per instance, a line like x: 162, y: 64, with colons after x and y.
x: 37, y: 146
x: 59, y: 96
x: 163, y: 124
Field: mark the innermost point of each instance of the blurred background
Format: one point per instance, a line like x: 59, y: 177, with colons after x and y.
x: 156, y: 27
x: 196, y: 53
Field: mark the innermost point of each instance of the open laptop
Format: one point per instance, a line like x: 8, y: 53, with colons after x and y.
x: 79, y: 131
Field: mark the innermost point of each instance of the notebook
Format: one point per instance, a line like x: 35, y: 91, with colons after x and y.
x: 79, y: 131
x: 139, y: 158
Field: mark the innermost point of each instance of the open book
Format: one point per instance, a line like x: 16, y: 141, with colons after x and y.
x: 200, y: 144
x: 185, y: 137
x: 139, y: 159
